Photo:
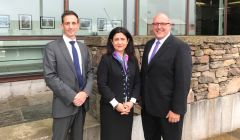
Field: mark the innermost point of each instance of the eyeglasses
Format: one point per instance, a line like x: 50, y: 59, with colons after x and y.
x: 161, y: 24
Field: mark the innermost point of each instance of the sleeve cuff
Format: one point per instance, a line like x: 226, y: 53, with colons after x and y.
x: 114, y: 102
x: 133, y: 100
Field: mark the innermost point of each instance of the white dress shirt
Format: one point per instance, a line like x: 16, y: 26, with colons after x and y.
x: 69, y: 47
x: 159, y: 46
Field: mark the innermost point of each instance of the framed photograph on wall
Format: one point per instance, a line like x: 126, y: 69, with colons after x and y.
x: 25, y: 22
x: 47, y: 22
x: 85, y: 24
x: 116, y: 23
x: 4, y: 21
x: 102, y: 24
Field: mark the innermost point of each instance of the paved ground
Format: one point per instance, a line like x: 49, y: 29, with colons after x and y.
x: 235, y: 135
x: 41, y: 130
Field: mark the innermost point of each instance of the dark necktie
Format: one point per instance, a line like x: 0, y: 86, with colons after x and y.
x: 154, y: 51
x: 76, y: 64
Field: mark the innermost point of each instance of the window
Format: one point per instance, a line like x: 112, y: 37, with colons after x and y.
x: 209, y: 17
x: 192, y: 18
x: 233, y: 15
x: 176, y: 10
x: 93, y: 10
x: 20, y: 19
x: 24, y: 57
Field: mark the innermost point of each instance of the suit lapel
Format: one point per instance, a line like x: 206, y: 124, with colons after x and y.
x: 66, y: 54
x: 148, y: 48
x: 165, y: 46
x: 145, y: 55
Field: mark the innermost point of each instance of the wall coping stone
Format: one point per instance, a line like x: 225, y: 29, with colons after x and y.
x: 101, y: 41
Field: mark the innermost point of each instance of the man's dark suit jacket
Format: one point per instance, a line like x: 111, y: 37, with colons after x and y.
x: 166, y: 79
x: 60, y: 76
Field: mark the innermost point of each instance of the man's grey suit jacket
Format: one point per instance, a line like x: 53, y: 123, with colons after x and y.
x: 60, y: 77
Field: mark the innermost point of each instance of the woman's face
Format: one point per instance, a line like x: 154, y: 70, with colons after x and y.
x: 119, y: 42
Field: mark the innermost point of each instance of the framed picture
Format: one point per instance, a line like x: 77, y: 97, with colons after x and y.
x: 102, y: 24
x: 4, y: 21
x: 47, y: 22
x: 116, y: 23
x: 25, y: 22
x: 85, y: 24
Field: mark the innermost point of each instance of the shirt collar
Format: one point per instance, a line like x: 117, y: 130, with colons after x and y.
x: 162, y: 40
x: 67, y: 39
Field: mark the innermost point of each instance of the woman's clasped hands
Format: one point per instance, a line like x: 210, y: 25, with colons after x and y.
x: 124, y: 108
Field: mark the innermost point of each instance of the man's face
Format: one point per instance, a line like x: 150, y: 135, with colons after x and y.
x: 161, y: 26
x: 70, y: 26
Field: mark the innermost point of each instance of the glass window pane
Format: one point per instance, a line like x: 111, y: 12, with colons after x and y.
x: 176, y: 10
x: 192, y: 17
x: 21, y: 57
x: 233, y: 17
x: 30, y: 17
x: 98, y: 17
x: 210, y: 17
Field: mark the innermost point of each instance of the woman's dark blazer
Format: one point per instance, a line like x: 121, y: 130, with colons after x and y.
x: 110, y: 79
x: 166, y: 79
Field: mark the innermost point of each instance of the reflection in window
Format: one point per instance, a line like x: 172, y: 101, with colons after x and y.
x: 210, y: 17
x: 176, y: 10
x: 23, y: 57
x: 17, y: 18
x: 192, y: 18
x: 98, y: 17
x: 233, y: 17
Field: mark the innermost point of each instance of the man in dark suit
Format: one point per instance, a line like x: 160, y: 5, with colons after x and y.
x: 68, y: 73
x: 166, y: 75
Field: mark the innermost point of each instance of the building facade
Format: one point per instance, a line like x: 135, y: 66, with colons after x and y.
x: 27, y: 25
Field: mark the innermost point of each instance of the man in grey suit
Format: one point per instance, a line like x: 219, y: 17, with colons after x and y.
x: 68, y: 73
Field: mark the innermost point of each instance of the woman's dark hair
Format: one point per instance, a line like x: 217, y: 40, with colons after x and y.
x: 129, y: 49
x: 66, y: 13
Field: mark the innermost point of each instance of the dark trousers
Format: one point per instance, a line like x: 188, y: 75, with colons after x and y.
x: 70, y: 127
x: 155, y: 128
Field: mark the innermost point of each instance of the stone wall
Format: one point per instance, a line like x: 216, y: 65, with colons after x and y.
x: 216, y: 63
x: 24, y: 101
x: 215, y: 75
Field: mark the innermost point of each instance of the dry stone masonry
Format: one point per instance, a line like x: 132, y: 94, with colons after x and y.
x: 213, y: 101
x: 216, y: 63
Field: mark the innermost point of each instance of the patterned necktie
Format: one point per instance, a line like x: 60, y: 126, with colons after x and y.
x: 154, y: 51
x: 76, y: 64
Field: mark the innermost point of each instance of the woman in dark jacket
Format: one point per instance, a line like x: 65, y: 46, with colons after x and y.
x: 118, y: 82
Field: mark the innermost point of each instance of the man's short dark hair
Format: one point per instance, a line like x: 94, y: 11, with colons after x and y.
x: 66, y: 13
